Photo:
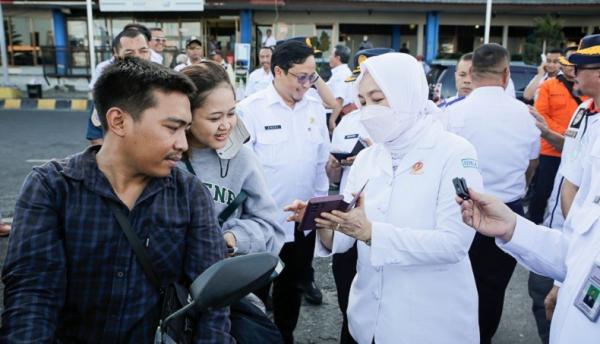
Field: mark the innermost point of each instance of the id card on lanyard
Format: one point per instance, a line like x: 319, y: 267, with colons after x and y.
x: 588, y: 297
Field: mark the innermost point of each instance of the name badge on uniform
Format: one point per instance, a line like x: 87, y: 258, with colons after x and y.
x: 588, y: 298
x: 272, y: 127
x: 351, y: 136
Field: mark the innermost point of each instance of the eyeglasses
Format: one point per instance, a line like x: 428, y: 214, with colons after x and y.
x: 578, y: 68
x: 304, y: 78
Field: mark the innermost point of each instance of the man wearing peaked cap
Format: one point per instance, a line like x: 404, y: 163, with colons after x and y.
x: 345, y: 137
x: 574, y: 259
x: 194, y: 52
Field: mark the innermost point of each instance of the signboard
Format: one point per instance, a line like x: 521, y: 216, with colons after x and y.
x: 151, y: 5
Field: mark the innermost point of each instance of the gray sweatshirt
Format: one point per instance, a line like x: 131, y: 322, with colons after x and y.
x: 254, y: 224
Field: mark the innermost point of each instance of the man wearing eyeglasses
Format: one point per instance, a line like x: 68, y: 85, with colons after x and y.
x: 289, y: 135
x: 157, y: 45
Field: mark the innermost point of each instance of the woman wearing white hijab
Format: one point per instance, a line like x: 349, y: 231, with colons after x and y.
x: 414, y: 282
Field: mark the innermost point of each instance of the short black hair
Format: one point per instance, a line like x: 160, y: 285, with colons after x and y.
x: 155, y: 29
x: 129, y: 33
x: 554, y: 51
x: 343, y: 52
x: 129, y: 84
x: 290, y: 53
x: 206, y: 76
x: 488, y: 58
x: 139, y: 27
x: 466, y: 57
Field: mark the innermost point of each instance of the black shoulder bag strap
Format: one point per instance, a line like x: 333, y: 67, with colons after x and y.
x: 136, y: 244
x: 569, y: 86
x: 237, y: 202
x: 230, y: 209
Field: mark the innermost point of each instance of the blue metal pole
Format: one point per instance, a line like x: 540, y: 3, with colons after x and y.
x: 396, y: 37
x: 432, y: 36
x: 60, y: 41
x: 246, y: 26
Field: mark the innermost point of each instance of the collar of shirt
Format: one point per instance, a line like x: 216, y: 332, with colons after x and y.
x: 85, y: 168
x: 340, y: 69
x: 425, y: 141
x: 488, y: 91
x: 274, y: 97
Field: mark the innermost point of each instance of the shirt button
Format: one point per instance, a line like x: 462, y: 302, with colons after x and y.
x: 120, y: 274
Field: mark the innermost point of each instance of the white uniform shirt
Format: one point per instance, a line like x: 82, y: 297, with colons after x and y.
x: 258, y: 80
x: 345, y: 136
x: 337, y: 83
x: 156, y: 57
x: 414, y: 284
x: 269, y: 41
x: 570, y: 164
x: 504, y: 135
x: 100, y: 67
x: 181, y: 66
x: 291, y: 144
x: 569, y: 261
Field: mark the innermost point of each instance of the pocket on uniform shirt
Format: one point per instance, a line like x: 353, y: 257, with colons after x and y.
x: 269, y: 147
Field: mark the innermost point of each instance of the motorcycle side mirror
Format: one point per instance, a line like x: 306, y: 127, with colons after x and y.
x: 229, y: 280
x: 233, y: 278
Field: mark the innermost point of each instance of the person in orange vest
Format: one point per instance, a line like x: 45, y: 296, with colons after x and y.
x: 557, y: 100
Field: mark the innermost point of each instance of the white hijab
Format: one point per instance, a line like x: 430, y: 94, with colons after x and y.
x: 402, y: 80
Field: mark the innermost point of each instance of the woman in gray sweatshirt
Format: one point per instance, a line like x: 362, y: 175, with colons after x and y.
x: 228, y: 168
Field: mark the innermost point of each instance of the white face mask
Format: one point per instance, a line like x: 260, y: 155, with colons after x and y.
x: 383, y: 123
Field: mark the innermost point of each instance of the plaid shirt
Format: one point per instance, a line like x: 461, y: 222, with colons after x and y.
x: 72, y: 276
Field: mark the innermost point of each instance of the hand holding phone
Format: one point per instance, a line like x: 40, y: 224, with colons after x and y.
x: 460, y: 185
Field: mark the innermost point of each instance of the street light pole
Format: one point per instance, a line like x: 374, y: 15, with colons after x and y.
x: 488, y: 21
x: 90, y: 25
x: 3, y: 50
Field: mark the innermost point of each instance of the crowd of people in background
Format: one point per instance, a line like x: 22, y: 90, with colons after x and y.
x: 203, y: 176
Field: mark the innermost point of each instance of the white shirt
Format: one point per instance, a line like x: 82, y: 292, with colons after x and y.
x: 510, y: 89
x: 567, y: 257
x: 100, y: 67
x: 156, y: 57
x: 181, y: 66
x: 269, y: 41
x: 504, y: 135
x: 291, y: 144
x: 258, y: 80
x: 337, y: 83
x: 414, y: 284
x: 345, y: 136
x: 571, y: 163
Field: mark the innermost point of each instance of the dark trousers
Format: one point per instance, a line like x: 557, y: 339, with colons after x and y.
x: 539, y: 286
x: 344, y: 269
x: 492, y: 269
x: 542, y: 187
x: 288, y: 286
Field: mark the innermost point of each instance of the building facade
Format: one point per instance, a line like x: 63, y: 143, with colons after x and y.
x: 433, y: 28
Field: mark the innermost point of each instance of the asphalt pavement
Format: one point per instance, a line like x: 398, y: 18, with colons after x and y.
x: 31, y: 138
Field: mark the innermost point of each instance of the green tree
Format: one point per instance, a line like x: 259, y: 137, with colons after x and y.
x: 548, y: 33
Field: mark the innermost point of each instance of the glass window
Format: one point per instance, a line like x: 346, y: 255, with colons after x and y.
x: 77, y: 33
x: 20, y: 31
x: 42, y: 28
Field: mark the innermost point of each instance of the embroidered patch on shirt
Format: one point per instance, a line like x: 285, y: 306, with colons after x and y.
x: 351, y: 136
x: 417, y: 168
x: 469, y: 163
x: 272, y: 127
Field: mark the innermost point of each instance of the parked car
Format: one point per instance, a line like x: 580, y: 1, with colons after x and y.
x: 442, y: 84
